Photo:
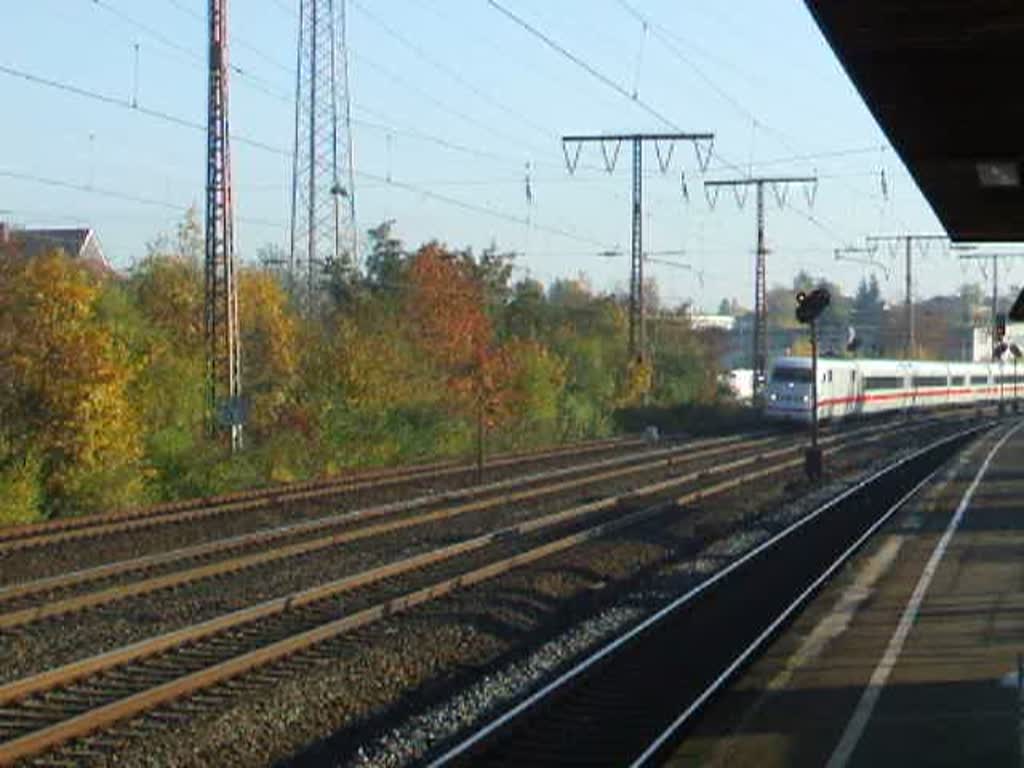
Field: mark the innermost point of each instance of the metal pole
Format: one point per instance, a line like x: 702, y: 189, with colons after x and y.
x: 995, y: 300
x: 814, y: 385
x: 223, y: 348
x: 1016, y: 404
x: 638, y: 339
x: 760, y: 310
x: 812, y: 458
x: 909, y: 352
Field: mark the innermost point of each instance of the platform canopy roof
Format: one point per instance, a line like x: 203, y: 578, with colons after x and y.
x: 943, y: 78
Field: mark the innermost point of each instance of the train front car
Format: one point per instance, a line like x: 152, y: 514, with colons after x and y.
x: 787, y: 396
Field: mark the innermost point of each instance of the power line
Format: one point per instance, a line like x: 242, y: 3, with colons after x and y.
x: 492, y: 212
x: 583, y: 64
x: 239, y: 41
x: 182, y: 122
x: 668, y: 38
x: 403, y: 83
x: 454, y: 75
x: 195, y: 57
x: 124, y: 104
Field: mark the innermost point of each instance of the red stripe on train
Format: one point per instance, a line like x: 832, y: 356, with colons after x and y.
x: 906, y: 393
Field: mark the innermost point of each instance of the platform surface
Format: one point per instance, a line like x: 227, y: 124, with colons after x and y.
x: 910, y: 657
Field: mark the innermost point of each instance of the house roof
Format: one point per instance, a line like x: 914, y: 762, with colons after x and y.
x: 36, y: 241
x: 76, y: 242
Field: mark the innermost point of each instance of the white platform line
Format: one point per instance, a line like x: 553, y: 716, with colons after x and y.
x: 862, y: 714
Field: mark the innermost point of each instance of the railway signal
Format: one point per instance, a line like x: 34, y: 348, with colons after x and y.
x: 809, y: 307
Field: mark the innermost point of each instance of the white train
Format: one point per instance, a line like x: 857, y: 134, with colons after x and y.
x: 853, y: 387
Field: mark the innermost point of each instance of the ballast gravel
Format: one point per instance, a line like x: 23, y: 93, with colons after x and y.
x: 390, y: 695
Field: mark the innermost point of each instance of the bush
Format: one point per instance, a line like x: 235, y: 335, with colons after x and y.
x: 691, y: 419
x: 21, y: 495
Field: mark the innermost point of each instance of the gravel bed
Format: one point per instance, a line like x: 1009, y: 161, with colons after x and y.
x: 451, y: 661
x: 451, y: 526
x: 36, y: 647
x: 40, y: 562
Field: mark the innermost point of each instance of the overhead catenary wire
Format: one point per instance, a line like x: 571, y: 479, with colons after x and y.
x: 193, y: 56
x: 449, y: 72
x: 403, y: 83
x: 669, y: 40
x: 183, y: 122
x: 559, y: 48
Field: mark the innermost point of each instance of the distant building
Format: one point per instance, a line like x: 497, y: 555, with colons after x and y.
x: 79, y: 243
x: 982, y: 341
x: 740, y: 382
x: 717, y: 322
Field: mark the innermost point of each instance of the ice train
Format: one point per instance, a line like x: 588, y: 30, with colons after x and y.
x: 848, y: 387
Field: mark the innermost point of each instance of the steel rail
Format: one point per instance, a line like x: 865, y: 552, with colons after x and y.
x: 252, y: 499
x: 465, y: 746
x: 687, y: 452
x: 236, y: 564
x: 105, y: 715
x: 62, y: 607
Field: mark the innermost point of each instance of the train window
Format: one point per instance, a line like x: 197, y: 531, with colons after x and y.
x: 929, y: 381
x: 883, y: 382
x: 957, y: 381
x: 978, y: 381
x: 792, y: 375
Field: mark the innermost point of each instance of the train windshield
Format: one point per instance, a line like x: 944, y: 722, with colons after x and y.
x: 792, y: 375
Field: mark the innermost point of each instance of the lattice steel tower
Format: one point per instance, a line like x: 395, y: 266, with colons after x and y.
x: 323, y: 196
x: 223, y: 351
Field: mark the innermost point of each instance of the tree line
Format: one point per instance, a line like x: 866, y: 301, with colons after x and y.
x: 102, y: 374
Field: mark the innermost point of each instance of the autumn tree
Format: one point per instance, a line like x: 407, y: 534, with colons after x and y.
x: 270, y: 355
x: 169, y: 291
x: 64, y: 400
x: 445, y: 304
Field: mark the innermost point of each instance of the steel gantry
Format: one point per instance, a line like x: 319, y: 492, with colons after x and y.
x: 223, y: 348
x: 910, y: 342
x: 759, y: 361
x: 664, y: 144
x: 323, y: 231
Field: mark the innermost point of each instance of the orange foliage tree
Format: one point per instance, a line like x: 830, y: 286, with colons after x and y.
x: 446, y: 306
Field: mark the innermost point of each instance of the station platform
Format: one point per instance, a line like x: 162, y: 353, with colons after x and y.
x: 911, y: 656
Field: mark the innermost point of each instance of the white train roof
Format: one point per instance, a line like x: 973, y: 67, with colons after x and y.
x: 882, y: 365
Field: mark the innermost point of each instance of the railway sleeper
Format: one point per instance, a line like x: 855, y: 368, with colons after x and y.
x: 73, y: 697
x: 160, y: 715
x: 58, y: 762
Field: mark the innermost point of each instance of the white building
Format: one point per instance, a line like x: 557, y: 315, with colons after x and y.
x: 981, y: 347
x: 718, y: 322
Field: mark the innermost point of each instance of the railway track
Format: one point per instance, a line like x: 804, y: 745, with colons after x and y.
x: 46, y: 710
x: 633, y: 698
x: 60, y: 596
x: 23, y: 603
x: 453, y: 474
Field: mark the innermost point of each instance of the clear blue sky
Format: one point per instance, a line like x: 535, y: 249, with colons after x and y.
x: 755, y: 72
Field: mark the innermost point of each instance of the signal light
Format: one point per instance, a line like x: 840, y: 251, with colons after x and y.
x: 810, y: 305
